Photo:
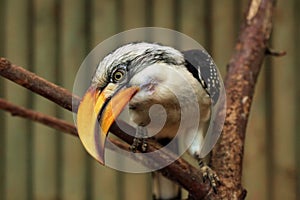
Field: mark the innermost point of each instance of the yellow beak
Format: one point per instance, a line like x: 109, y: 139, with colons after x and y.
x: 92, y: 132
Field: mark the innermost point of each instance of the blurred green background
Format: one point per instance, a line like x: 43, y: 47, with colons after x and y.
x: 52, y: 37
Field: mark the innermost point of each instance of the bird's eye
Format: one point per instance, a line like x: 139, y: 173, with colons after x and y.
x: 118, y: 75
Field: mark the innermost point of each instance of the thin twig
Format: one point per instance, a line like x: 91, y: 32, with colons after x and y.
x: 272, y: 52
x: 50, y: 121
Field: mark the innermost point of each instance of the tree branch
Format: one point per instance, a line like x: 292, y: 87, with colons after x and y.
x: 179, y: 171
x: 50, y: 121
x: 243, y: 70
x: 38, y: 85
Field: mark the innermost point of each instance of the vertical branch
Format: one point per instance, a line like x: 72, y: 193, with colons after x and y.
x: 243, y: 70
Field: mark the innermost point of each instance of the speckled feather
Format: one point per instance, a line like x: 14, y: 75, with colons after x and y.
x: 203, y: 68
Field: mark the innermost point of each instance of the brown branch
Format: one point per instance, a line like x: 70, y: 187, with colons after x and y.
x: 38, y: 85
x: 179, y: 171
x: 243, y: 70
x: 272, y: 52
x: 50, y: 121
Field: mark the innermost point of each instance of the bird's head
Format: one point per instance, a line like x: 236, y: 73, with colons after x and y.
x: 129, y: 74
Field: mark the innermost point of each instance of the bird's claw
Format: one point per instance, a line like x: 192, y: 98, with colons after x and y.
x: 209, y: 174
x: 139, y: 143
x: 144, y: 145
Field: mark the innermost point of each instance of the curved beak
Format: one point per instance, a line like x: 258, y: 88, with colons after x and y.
x: 97, y: 112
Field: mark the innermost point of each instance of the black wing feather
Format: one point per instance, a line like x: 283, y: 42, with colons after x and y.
x: 203, y: 68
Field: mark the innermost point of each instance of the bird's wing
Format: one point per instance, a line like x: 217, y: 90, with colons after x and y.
x: 203, y: 68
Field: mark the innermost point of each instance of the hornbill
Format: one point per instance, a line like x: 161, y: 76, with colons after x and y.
x: 141, y: 75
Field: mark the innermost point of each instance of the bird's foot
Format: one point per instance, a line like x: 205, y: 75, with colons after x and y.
x: 209, y: 174
x: 140, y: 141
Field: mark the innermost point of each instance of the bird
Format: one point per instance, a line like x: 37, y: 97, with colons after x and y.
x: 142, y: 75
